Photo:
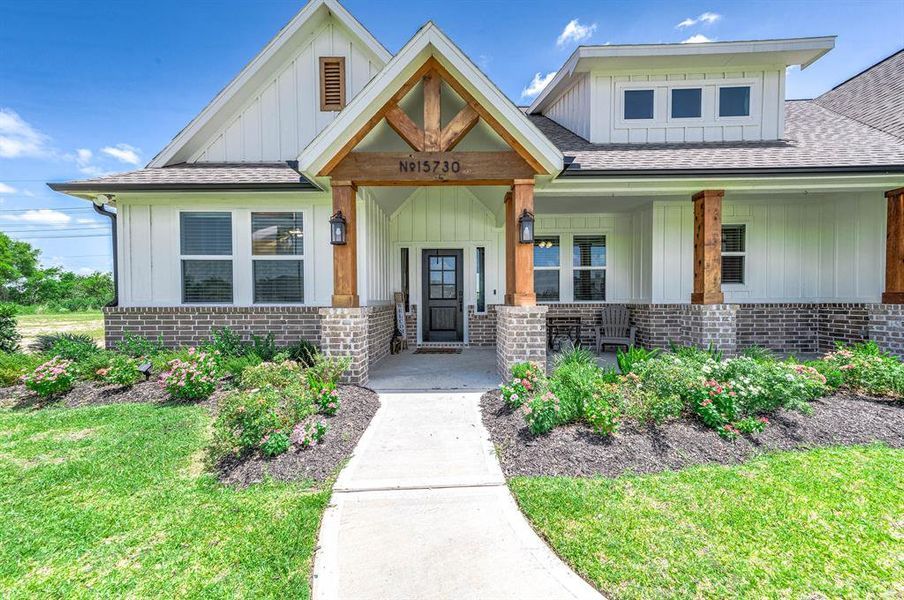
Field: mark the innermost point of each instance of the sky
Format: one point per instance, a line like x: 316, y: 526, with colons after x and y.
x: 89, y: 87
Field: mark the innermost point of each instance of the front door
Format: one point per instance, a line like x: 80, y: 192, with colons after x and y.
x: 443, y: 296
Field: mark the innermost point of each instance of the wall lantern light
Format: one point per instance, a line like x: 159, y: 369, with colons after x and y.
x: 338, y: 227
x: 526, y: 227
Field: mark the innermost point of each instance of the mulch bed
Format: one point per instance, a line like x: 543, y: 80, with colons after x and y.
x: 574, y: 450
x: 318, y: 462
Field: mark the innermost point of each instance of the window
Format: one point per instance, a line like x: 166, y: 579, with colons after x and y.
x: 546, y: 268
x: 686, y: 103
x: 589, y: 268
x: 734, y: 253
x: 638, y: 104
x: 405, y: 282
x: 205, y: 241
x: 332, y: 83
x: 280, y: 237
x: 734, y: 101
x: 442, y: 271
x: 481, y: 280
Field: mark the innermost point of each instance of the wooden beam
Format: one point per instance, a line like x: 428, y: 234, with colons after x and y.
x: 509, y: 249
x: 708, y: 247
x: 894, y: 248
x: 407, y: 129
x: 432, y: 168
x: 345, y: 257
x: 523, y: 254
x: 432, y: 118
x: 458, y: 127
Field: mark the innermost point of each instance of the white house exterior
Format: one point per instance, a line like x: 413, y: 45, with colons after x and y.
x: 674, y: 179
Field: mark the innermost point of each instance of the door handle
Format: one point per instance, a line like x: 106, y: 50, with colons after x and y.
x: 460, y: 299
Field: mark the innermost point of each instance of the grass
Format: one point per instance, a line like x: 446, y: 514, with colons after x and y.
x: 820, y: 523
x: 113, y: 502
x: 88, y: 322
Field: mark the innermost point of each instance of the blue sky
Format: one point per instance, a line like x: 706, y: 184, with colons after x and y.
x: 90, y: 87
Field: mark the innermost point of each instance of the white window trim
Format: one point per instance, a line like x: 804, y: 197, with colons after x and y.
x: 642, y: 88
x: 210, y: 257
x: 745, y: 254
x: 486, y: 294
x: 295, y: 257
x: 685, y: 120
x: 737, y: 119
x: 605, y: 268
x: 559, y: 267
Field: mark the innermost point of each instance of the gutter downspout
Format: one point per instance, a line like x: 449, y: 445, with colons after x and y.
x: 99, y: 208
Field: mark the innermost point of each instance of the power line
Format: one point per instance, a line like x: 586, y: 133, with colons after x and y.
x: 62, y: 210
x: 60, y: 237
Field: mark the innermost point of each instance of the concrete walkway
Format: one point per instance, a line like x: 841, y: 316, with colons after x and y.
x: 422, y: 511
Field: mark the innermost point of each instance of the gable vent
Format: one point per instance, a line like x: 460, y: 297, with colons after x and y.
x: 332, y: 83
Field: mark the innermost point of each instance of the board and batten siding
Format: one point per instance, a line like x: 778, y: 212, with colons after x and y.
x: 815, y: 248
x: 572, y: 109
x: 149, y: 249
x: 284, y: 115
x: 374, y: 252
x: 606, y: 109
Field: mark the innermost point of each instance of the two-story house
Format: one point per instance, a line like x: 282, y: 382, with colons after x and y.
x: 330, y: 176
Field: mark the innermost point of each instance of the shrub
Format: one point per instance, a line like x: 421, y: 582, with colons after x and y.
x: 574, y: 383
x: 303, y: 351
x: 236, y: 365
x: 280, y: 375
x: 226, y: 342
x: 87, y: 368
x: 526, y: 381
x: 327, y: 398
x: 263, y: 347
x: 601, y: 410
x: 326, y: 369
x: 574, y: 356
x: 310, y: 434
x: 541, y: 413
x: 54, y: 377
x: 646, y: 406
x: 758, y: 353
x: 275, y: 443
x: 628, y: 360
x: 14, y: 366
x: 138, y: 346
x: 9, y: 333
x: 865, y: 367
x: 46, y: 341
x: 762, y: 387
x: 123, y: 371
x: 696, y: 354
x: 192, y: 379
x: 832, y: 372
x: 671, y: 375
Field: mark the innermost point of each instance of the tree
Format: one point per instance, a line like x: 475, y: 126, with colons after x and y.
x: 18, y: 260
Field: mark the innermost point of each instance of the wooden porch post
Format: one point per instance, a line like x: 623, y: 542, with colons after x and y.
x: 509, y: 249
x: 708, y: 247
x: 522, y: 255
x: 894, y: 248
x: 345, y: 257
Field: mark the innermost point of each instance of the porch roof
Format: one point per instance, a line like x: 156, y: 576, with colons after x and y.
x: 816, y: 140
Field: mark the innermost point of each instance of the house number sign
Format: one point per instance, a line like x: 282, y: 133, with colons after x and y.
x: 429, y: 166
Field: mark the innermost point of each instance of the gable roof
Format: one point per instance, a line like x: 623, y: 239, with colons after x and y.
x: 428, y: 41
x: 874, y: 96
x: 255, y: 69
x: 816, y: 140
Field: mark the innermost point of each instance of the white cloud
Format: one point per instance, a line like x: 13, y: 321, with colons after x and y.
x: 18, y: 138
x: 123, y: 153
x: 83, y: 156
x: 575, y: 32
x: 697, y: 38
x: 707, y: 18
x: 537, y: 84
x: 85, y: 221
x: 6, y: 188
x: 43, y: 216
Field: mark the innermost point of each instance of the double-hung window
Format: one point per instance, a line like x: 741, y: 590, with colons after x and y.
x: 589, y: 268
x: 546, y: 268
x: 277, y: 248
x: 734, y: 254
x: 205, y: 240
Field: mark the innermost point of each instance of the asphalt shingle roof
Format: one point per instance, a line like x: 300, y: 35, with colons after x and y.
x: 815, y: 138
x: 874, y: 97
x: 197, y: 176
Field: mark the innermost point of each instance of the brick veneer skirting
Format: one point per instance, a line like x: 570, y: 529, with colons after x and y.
x: 658, y: 325
x: 520, y: 337
x: 191, y: 325
x: 344, y: 333
x: 380, y: 327
x: 482, y: 327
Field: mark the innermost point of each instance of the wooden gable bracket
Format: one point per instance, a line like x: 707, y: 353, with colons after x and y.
x: 432, y: 161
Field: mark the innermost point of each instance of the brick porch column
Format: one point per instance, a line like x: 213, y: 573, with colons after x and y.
x: 520, y: 337
x: 344, y: 332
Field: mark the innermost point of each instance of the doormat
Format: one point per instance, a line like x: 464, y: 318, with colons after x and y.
x: 428, y: 350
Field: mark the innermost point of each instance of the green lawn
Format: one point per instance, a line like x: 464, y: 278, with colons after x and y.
x: 114, y: 502
x: 814, y: 524
x: 89, y: 322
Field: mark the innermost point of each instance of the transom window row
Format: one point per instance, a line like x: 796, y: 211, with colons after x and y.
x: 207, y: 257
x: 687, y: 103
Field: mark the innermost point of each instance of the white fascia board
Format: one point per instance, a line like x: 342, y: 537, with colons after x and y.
x: 302, y: 18
x: 429, y: 40
x: 629, y: 186
x: 559, y: 83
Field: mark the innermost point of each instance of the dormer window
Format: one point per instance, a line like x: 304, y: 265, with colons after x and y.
x: 687, y: 103
x: 638, y: 104
x: 734, y: 101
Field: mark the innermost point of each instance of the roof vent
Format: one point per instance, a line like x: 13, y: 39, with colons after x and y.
x: 332, y: 83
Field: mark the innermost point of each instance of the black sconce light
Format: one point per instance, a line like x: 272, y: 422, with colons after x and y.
x: 338, y: 226
x: 526, y: 227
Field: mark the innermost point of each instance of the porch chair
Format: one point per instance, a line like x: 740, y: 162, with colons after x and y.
x: 615, y: 327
